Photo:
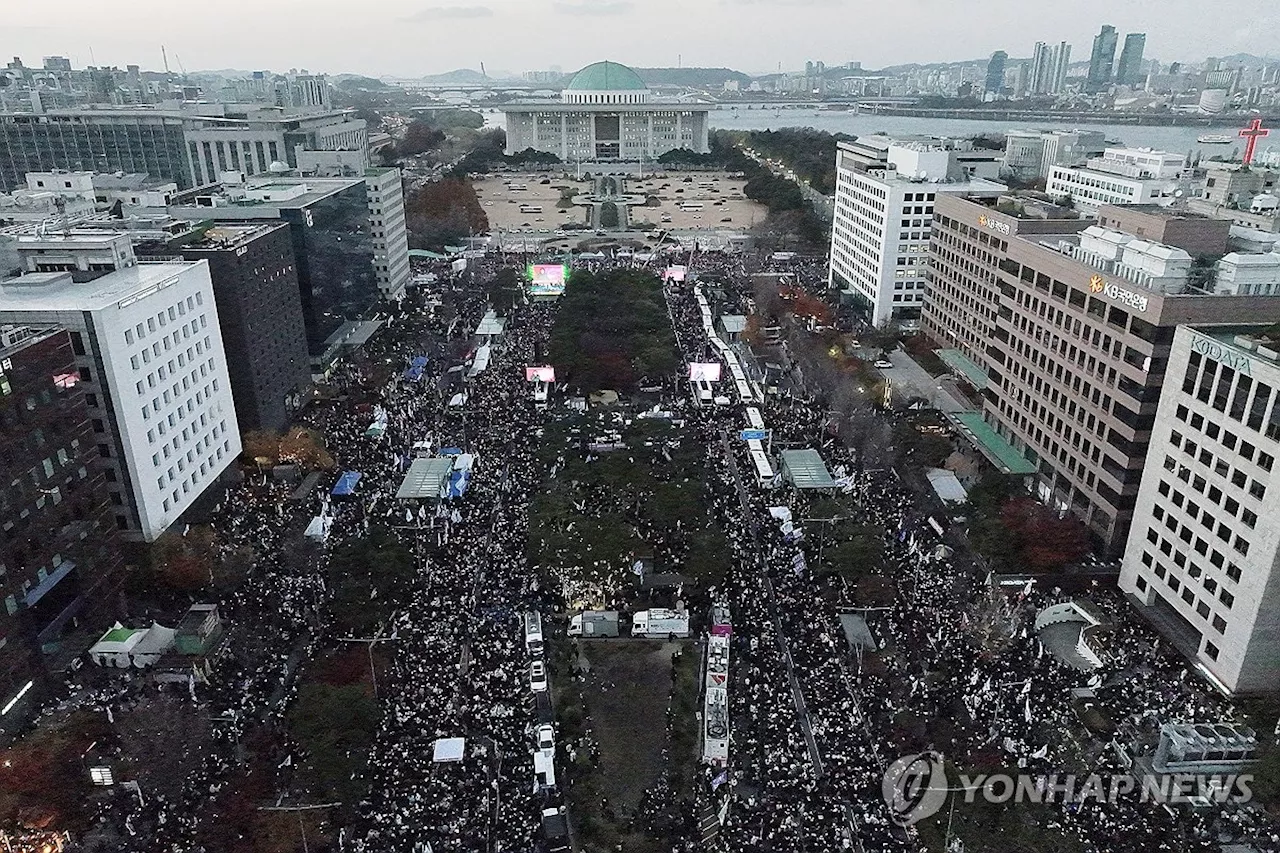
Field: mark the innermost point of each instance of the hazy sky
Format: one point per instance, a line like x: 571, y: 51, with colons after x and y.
x: 412, y: 37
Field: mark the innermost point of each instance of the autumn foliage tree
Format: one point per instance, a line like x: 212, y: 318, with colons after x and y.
x: 185, y: 563
x: 1045, y: 540
x: 420, y: 136
x: 442, y: 213
x: 297, y: 446
x: 43, y: 782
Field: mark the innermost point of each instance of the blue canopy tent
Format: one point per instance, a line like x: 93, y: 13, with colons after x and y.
x: 458, y: 482
x: 416, y: 368
x: 346, y: 486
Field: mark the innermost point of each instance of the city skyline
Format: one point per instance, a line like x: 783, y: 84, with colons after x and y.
x: 414, y: 38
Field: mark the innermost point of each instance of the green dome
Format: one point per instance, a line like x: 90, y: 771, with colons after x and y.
x: 606, y: 77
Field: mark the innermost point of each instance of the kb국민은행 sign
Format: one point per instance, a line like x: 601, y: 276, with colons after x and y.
x: 1115, y: 293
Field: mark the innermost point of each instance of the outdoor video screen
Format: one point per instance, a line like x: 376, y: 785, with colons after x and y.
x: 547, y: 279
x: 539, y: 374
x: 674, y: 273
x: 704, y: 372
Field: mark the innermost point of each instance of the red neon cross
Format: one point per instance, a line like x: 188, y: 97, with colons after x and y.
x: 1253, y: 133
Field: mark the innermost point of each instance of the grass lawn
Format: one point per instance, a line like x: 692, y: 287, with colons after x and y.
x: 625, y: 698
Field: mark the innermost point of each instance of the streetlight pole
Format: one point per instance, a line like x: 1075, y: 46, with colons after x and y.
x: 299, y: 810
x: 822, y: 539
x: 369, y: 643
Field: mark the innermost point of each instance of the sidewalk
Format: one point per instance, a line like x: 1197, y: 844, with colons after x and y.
x: 913, y: 380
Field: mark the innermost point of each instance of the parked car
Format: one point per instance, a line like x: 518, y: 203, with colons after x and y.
x: 883, y: 363
x: 544, y: 737
x: 538, y: 676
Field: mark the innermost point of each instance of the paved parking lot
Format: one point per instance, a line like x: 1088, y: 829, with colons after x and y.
x: 719, y: 196
x: 503, y: 195
x: 696, y: 201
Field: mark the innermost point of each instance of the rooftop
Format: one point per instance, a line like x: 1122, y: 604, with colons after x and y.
x: 55, y: 291
x: 1251, y: 342
x: 1007, y: 458
x: 229, y: 195
x: 230, y: 235
x: 28, y: 339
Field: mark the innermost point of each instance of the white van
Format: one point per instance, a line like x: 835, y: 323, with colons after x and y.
x: 533, y: 633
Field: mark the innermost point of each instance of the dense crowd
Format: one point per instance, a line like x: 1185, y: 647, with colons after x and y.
x: 813, y: 729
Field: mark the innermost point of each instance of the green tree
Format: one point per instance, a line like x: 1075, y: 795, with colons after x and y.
x: 504, y: 289
x: 608, y: 215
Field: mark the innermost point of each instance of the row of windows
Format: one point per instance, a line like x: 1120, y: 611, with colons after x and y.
x: 185, y: 488
x: 174, y: 311
x: 168, y: 342
x: 972, y: 234
x: 1239, y: 448
x: 1234, y: 394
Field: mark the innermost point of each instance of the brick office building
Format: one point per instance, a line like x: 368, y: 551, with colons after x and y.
x: 1068, y: 327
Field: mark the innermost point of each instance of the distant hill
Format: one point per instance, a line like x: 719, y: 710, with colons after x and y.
x: 357, y: 81
x: 1247, y: 60
x: 693, y: 77
x: 460, y: 76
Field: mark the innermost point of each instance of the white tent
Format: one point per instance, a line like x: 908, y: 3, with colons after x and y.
x: 947, y: 485
x: 481, y: 361
x: 318, y: 529
x: 448, y: 749
x: 115, y: 646
x: 122, y: 647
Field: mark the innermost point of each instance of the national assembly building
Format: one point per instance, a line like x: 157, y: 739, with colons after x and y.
x: 605, y: 113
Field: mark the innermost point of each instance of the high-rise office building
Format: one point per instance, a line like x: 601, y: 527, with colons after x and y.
x: 304, y: 91
x: 255, y: 285
x: 1203, y: 555
x: 387, y: 227
x: 191, y: 147
x: 150, y: 357
x: 1059, y: 63
x: 995, y: 72
x: 60, y: 552
x: 137, y: 140
x: 1102, y: 59
x: 885, y: 195
x: 1040, y: 79
x: 1130, y: 71
x: 334, y: 246
x: 1068, y: 326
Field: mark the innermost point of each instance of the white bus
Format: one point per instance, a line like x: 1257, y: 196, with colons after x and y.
x: 691, y: 205
x: 764, y: 471
x: 754, y: 421
x: 530, y: 208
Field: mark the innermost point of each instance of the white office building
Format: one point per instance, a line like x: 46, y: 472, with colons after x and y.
x: 150, y: 356
x: 387, y: 229
x: 1203, y: 553
x: 1031, y: 154
x: 104, y: 190
x: 606, y: 113
x: 883, y: 218
x: 1123, y: 176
